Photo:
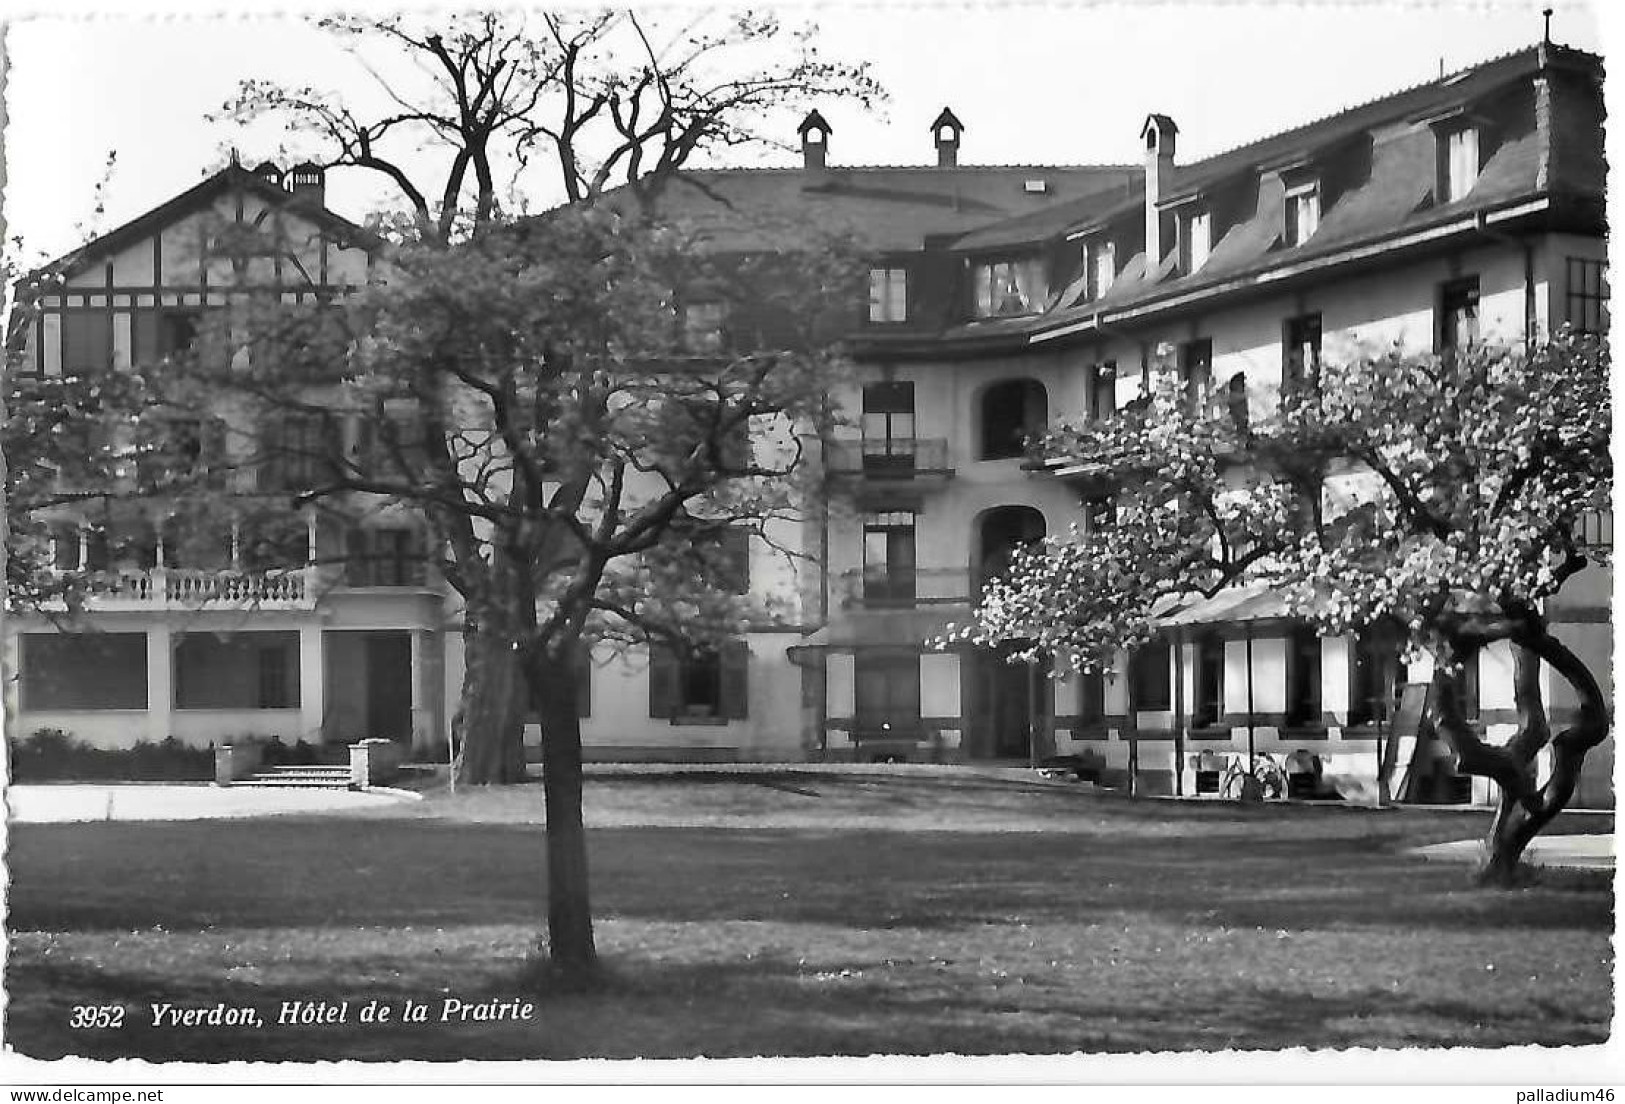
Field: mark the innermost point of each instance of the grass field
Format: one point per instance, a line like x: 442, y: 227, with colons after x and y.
x: 799, y: 913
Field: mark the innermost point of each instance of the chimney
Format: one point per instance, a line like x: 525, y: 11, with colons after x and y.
x: 815, y: 132
x: 307, y: 181
x: 1158, y: 133
x: 946, y: 129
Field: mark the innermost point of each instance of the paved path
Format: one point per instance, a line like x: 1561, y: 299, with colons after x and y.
x: 53, y: 804
x: 1567, y: 852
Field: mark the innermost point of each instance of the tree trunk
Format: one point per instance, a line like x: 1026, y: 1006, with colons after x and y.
x: 487, y: 727
x: 569, y: 909
x: 1525, y: 809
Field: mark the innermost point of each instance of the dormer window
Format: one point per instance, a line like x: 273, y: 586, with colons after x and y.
x: 1195, y: 239
x: 1006, y: 288
x: 1101, y: 258
x: 1302, y: 211
x: 1458, y: 162
x: 888, y: 294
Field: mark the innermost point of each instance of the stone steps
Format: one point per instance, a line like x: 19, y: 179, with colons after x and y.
x: 310, y: 777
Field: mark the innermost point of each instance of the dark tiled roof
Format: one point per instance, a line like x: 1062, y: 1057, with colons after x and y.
x: 885, y: 207
x: 1390, y: 166
x: 1320, y: 135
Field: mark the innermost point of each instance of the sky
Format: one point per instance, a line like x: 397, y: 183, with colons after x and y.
x: 1034, y: 84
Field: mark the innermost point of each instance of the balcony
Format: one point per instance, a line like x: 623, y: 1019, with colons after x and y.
x: 906, y: 588
x: 175, y: 588
x: 890, y: 461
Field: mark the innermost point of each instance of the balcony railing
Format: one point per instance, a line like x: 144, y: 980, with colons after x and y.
x: 903, y: 588
x: 890, y: 458
x: 193, y: 588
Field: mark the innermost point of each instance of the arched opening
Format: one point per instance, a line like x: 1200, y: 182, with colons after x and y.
x: 1009, y: 707
x: 998, y: 532
x: 1011, y: 412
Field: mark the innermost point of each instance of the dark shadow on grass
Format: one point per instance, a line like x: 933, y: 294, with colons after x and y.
x: 289, y: 873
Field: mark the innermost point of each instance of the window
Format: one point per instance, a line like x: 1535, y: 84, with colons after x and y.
x: 1458, y: 314
x: 255, y: 670
x: 87, y: 341
x: 1300, y: 352
x: 1208, y: 706
x: 888, y: 425
x: 54, y: 666
x: 293, y: 451
x: 702, y: 327
x: 178, y: 330
x: 270, y: 543
x: 1196, y: 371
x: 1006, y: 288
x: 1375, y: 677
x: 1195, y: 240
x: 1586, y: 306
x: 1149, y: 677
x: 1091, y: 698
x: 888, y: 558
x: 275, y: 683
x: 1101, y: 257
x: 384, y: 557
x: 1012, y: 411
x: 1303, y: 697
x: 1458, y: 162
x: 1302, y: 212
x: 888, y: 295
x: 1595, y: 529
x: 65, y: 547
x: 699, y: 683
x: 886, y: 696
x: 1103, y: 390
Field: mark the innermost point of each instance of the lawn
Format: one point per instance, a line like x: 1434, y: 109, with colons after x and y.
x: 806, y: 912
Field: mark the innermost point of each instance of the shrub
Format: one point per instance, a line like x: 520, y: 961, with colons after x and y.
x: 52, y: 755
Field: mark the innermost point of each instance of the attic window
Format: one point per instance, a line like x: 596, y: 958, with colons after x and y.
x: 1302, y: 211
x: 1007, y: 288
x: 1195, y: 240
x: 1035, y: 186
x: 1458, y: 162
x: 1101, y: 258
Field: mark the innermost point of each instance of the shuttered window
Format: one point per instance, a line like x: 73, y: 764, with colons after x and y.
x: 1150, y: 678
x: 700, y: 684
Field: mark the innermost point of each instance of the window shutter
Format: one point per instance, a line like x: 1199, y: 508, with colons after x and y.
x: 664, y: 673
x: 735, y: 655
x: 735, y: 573
x: 583, y: 677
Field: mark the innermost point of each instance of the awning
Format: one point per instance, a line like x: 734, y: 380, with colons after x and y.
x: 1238, y: 604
